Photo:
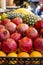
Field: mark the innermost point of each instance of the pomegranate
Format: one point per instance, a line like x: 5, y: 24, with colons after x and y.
x: 41, y: 31
x: 17, y: 20
x: 38, y: 44
x: 4, y: 34
x: 25, y: 44
x: 2, y: 27
x: 32, y: 33
x: 16, y: 36
x: 39, y: 24
x: 0, y: 45
x: 5, y: 21
x: 11, y: 27
x: 9, y: 45
x: 22, y: 28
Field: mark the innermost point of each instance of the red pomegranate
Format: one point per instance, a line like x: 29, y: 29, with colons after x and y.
x: 4, y: 34
x: 32, y: 33
x: 0, y: 45
x: 38, y: 44
x: 39, y: 24
x: 5, y: 21
x: 41, y: 31
x: 17, y: 20
x: 2, y: 27
x: 22, y: 28
x: 11, y: 27
x: 25, y: 44
x: 16, y: 36
x: 9, y: 46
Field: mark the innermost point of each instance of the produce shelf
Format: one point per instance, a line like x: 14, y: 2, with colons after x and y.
x: 21, y: 61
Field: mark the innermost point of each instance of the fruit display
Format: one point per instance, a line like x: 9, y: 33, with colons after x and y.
x: 21, y: 40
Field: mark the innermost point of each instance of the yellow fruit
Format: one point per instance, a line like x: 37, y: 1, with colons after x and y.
x: 2, y: 54
x: 35, y: 54
x: 23, y: 11
x: 23, y: 54
x: 12, y: 54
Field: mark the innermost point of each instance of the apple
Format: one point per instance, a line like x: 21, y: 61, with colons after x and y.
x: 38, y: 44
x: 9, y: 45
x: 16, y: 36
x: 22, y: 28
x: 11, y: 27
x: 25, y: 44
x: 17, y: 20
x: 4, y: 34
x: 5, y: 21
x: 32, y: 33
x: 39, y: 25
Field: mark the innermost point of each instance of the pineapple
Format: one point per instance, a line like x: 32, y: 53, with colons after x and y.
x: 27, y: 16
x: 31, y: 19
x: 12, y: 15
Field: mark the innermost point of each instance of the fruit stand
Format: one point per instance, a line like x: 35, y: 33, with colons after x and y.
x: 21, y: 38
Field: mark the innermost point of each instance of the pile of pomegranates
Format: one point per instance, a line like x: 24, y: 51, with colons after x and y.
x: 15, y: 34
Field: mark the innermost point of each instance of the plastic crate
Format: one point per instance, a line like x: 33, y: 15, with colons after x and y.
x: 21, y: 61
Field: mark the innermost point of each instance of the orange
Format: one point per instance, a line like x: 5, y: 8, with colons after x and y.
x: 12, y: 54
x: 23, y: 54
x: 2, y: 54
x: 35, y: 54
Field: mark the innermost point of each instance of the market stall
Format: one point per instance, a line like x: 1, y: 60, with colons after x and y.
x: 21, y: 33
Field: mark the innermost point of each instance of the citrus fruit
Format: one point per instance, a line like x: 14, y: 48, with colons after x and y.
x: 2, y: 54
x: 35, y: 54
x: 23, y: 54
x: 12, y: 54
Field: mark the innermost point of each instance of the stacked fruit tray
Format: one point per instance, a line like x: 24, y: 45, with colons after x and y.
x: 21, y: 39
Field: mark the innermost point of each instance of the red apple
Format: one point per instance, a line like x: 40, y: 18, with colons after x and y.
x: 2, y: 27
x: 11, y: 27
x: 39, y: 24
x: 25, y: 44
x: 4, y: 34
x: 9, y: 45
x: 5, y: 21
x: 32, y: 33
x: 17, y: 20
x: 16, y: 36
x: 22, y: 28
x: 38, y: 44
